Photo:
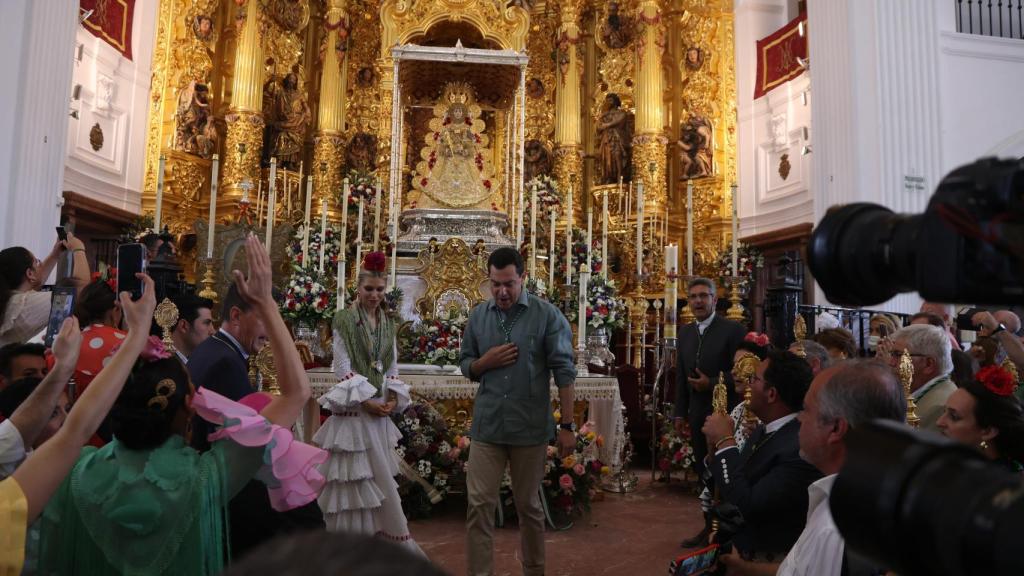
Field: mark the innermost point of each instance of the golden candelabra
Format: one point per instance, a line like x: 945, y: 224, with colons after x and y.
x: 906, y: 373
x: 166, y: 316
x: 735, y: 312
x: 743, y: 371
x: 686, y: 314
x: 208, y: 281
x: 799, y: 334
x: 719, y: 405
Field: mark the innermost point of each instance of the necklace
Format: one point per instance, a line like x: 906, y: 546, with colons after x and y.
x: 507, y: 329
x: 374, y: 340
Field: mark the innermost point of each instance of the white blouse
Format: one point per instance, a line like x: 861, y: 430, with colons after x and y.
x: 26, y: 315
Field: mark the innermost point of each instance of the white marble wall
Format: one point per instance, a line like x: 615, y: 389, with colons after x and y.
x: 115, y: 96
x: 37, y: 43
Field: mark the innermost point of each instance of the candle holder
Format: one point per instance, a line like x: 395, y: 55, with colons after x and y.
x: 581, y: 361
x: 686, y: 314
x: 906, y: 375
x: 668, y: 348
x: 735, y: 312
x: 208, y: 281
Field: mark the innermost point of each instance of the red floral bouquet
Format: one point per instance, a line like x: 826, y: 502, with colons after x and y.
x: 436, y: 342
x: 570, y: 482
x: 997, y: 380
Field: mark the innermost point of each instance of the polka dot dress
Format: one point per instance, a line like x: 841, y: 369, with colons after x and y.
x: 98, y: 341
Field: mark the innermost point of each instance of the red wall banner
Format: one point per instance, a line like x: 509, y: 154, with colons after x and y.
x: 777, y: 54
x: 111, y: 21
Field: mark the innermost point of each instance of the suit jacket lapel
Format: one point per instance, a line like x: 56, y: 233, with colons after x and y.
x: 231, y: 345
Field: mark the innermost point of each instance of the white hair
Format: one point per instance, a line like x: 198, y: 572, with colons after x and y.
x: 930, y: 341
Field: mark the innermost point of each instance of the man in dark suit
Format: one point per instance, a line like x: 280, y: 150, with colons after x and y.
x: 705, y: 350
x: 768, y: 480
x: 220, y: 363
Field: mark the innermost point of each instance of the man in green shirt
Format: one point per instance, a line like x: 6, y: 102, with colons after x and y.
x: 513, y: 345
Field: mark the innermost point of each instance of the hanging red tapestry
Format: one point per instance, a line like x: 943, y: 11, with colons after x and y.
x: 111, y: 21
x: 777, y: 56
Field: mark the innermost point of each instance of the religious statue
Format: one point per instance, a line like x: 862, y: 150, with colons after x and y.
x: 615, y: 129
x: 694, y: 58
x: 455, y: 171
x: 360, y: 154
x: 287, y: 116
x: 195, y: 132
x: 695, y: 146
x: 536, y: 160
x: 615, y: 31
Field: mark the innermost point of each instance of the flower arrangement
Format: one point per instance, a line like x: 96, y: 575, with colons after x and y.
x: 107, y: 274
x: 748, y: 260
x: 331, y: 254
x: 579, y: 255
x: 436, y: 342
x: 306, y: 298
x: 997, y: 380
x: 433, y: 452
x: 570, y: 482
x: 361, y: 185
x: 549, y: 197
x: 604, y: 309
x: 675, y: 452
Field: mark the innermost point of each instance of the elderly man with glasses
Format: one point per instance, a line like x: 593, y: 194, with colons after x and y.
x: 931, y: 353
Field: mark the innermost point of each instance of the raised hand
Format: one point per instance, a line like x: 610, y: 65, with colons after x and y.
x: 257, y: 288
x: 138, y: 314
x: 68, y: 343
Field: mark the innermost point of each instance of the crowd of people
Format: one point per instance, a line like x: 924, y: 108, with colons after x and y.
x: 120, y: 455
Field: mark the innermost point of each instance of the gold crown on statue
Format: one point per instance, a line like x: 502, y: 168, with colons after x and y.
x: 458, y: 93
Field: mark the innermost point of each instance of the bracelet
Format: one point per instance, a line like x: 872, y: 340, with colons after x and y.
x: 77, y: 250
x: 724, y: 440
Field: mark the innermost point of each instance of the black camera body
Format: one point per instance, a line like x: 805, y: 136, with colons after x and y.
x: 968, y: 246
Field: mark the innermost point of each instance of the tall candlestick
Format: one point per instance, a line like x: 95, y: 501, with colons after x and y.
x: 689, y: 227
x: 640, y: 229
x: 568, y: 239
x: 551, y: 251
x: 533, y: 232
x: 629, y: 207
x: 376, y: 217
x: 323, y: 233
x: 522, y: 219
x: 288, y: 191
x: 159, y: 193
x: 271, y: 201
x: 359, y: 236
x: 305, y: 219
x: 604, y: 232
x: 581, y: 325
x: 259, y: 204
x: 340, y: 300
x: 735, y: 233
x: 672, y: 292
x: 344, y: 217
x: 212, y: 221
x: 590, y: 238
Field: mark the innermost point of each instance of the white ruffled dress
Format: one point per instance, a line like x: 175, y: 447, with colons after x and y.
x: 361, y: 495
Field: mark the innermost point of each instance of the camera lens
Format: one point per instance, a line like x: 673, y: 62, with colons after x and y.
x: 863, y: 254
x: 920, y: 504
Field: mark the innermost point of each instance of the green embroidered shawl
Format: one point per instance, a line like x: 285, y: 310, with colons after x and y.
x: 347, y: 327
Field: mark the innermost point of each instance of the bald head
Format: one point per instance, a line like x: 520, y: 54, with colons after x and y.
x: 1008, y: 319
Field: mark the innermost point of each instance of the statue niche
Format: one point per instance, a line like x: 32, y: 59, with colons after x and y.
x: 616, y: 31
x: 195, y: 131
x: 361, y: 152
x: 536, y: 160
x: 287, y: 116
x: 695, y: 147
x: 615, y: 130
x: 455, y: 171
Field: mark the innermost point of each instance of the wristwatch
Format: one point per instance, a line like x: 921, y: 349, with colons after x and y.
x: 1001, y: 327
x: 570, y: 426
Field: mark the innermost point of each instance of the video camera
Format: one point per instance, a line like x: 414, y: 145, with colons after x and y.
x: 968, y: 246
x: 918, y: 504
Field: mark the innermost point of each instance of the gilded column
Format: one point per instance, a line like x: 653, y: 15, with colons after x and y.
x: 328, y: 146
x: 649, y: 143
x: 244, y: 118
x: 568, y: 153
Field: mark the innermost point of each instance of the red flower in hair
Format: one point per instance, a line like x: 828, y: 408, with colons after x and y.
x: 998, y: 380
x: 375, y: 262
x: 759, y: 339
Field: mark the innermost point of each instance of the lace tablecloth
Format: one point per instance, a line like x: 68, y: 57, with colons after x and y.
x: 600, y: 392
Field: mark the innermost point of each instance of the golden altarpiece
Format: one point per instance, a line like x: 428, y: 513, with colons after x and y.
x: 452, y: 106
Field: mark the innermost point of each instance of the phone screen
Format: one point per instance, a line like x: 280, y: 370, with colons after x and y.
x: 62, y: 233
x: 696, y: 562
x: 131, y: 260
x: 62, y: 303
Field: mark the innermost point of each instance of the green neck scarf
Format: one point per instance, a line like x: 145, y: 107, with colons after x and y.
x: 371, y: 352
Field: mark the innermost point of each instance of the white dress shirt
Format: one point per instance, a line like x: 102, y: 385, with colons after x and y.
x: 703, y: 324
x: 26, y: 316
x: 769, y: 429
x: 819, y: 550
x: 12, y: 448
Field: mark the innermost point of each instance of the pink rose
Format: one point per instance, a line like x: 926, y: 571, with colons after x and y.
x: 552, y: 452
x: 586, y: 428
x: 566, y: 482
x: 463, y: 442
x: 454, y: 453
x: 579, y: 470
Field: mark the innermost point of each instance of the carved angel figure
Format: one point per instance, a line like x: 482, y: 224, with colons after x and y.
x: 695, y: 145
x: 195, y: 132
x: 287, y: 117
x: 537, y: 160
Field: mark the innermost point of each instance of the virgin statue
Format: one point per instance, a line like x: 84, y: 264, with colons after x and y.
x: 455, y: 171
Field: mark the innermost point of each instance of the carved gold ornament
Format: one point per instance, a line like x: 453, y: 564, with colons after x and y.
x: 96, y: 137
x: 452, y: 275
x: 166, y: 316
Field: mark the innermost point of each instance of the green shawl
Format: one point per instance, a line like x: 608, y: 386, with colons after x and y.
x: 347, y: 327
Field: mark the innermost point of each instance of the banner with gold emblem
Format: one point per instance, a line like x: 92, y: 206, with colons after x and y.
x: 111, y: 21
x: 777, y: 56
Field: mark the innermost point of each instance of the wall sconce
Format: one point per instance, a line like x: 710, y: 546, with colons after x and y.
x: 804, y: 63
x: 801, y: 29
x: 806, y: 133
x: 805, y: 150
x: 803, y: 97
x: 76, y: 92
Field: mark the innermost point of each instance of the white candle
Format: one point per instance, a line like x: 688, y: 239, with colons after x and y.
x: 344, y: 217
x: 568, y: 239
x: 735, y: 233
x: 271, y: 201
x: 323, y: 233
x: 259, y: 204
x: 522, y: 218
x: 581, y: 328
x: 639, y: 229
x: 551, y: 251
x: 376, y: 217
x: 689, y: 227
x: 340, y: 300
x: 604, y: 232
x: 533, y: 232
x: 395, y: 209
x: 288, y: 191
x: 359, y: 235
x: 305, y: 222
x: 672, y: 292
x: 590, y: 237
x: 159, y: 193
x: 212, y: 221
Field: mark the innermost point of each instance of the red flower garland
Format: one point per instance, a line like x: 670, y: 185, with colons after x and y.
x: 998, y: 381
x: 375, y: 262
x: 759, y: 339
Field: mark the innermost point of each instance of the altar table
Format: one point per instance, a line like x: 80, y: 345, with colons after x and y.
x: 600, y: 392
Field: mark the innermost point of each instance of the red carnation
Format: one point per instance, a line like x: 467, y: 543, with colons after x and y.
x: 997, y: 379
x: 375, y: 262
